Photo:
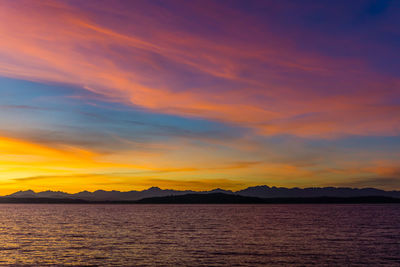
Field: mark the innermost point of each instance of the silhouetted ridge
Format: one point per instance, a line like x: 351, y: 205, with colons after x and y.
x: 274, y: 192
x: 221, y: 198
x: 255, y: 191
x: 211, y: 198
x: 42, y: 200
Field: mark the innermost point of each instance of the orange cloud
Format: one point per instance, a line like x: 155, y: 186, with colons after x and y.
x: 269, y: 87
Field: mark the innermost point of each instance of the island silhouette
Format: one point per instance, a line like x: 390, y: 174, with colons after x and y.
x: 257, y: 194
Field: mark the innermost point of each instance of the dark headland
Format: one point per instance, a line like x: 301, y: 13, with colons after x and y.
x: 208, y: 198
x: 221, y: 198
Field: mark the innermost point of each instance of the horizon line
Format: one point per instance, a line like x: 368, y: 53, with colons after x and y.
x: 218, y: 188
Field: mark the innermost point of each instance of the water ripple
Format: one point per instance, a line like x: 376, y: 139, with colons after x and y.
x: 199, y: 235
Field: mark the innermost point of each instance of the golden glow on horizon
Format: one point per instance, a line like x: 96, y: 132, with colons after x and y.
x: 26, y: 165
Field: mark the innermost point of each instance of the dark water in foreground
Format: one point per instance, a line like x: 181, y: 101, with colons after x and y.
x: 193, y: 235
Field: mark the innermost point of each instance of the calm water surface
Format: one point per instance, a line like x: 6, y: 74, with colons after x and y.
x: 205, y: 235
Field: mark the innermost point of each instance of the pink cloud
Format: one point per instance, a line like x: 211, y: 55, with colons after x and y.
x: 252, y: 77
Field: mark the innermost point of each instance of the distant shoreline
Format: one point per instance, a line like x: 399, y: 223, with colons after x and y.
x: 212, y: 198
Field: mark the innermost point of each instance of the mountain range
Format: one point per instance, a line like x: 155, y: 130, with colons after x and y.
x: 256, y: 191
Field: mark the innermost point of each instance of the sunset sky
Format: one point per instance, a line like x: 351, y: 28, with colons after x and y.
x: 124, y: 95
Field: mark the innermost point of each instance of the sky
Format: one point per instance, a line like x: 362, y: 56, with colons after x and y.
x: 124, y: 95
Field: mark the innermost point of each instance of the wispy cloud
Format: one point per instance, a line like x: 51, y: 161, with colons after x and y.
x: 23, y: 107
x: 263, y: 83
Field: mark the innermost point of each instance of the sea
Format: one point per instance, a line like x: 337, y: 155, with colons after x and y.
x: 199, y: 235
